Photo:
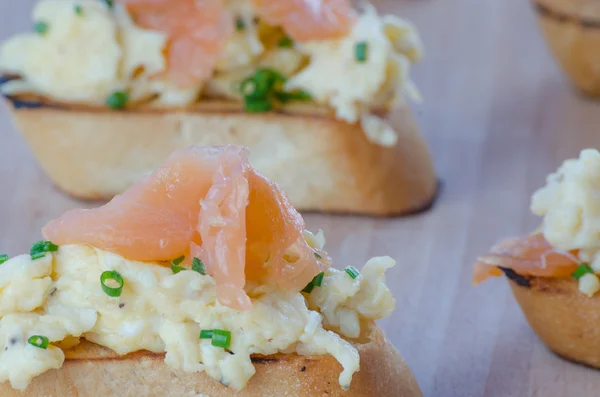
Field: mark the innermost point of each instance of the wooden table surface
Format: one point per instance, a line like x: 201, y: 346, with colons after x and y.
x: 499, y: 116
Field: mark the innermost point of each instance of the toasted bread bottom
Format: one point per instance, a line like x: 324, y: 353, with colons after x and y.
x: 323, y: 164
x: 91, y: 370
x: 564, y: 319
x: 573, y: 35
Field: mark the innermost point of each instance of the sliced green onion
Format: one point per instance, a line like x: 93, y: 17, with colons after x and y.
x: 175, y: 264
x: 317, y: 281
x: 285, y: 42
x: 206, y: 334
x: 318, y: 256
x: 117, y: 100
x: 3, y: 258
x: 352, y: 272
x: 41, y: 27
x: 198, y: 266
x: 38, y: 341
x: 109, y: 3
x: 112, y: 275
x: 239, y: 24
x: 360, y: 51
x: 221, y: 338
x: 581, y: 270
x: 258, y: 105
x: 298, y: 95
x: 78, y: 10
x: 39, y: 249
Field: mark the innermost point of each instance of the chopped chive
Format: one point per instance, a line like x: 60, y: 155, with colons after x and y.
x: 581, y: 270
x: 39, y: 249
x: 3, y: 258
x: 109, y: 3
x: 175, y: 264
x: 317, y: 281
x: 198, y: 266
x: 239, y: 24
x: 285, y: 42
x: 41, y: 27
x: 318, y: 256
x: 258, y: 106
x: 360, y: 51
x: 206, y: 334
x: 117, y: 100
x: 38, y: 341
x: 112, y: 275
x: 352, y: 272
x: 221, y: 338
x: 79, y: 10
x: 298, y: 95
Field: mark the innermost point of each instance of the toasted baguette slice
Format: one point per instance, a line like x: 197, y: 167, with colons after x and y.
x: 562, y: 317
x: 322, y: 163
x: 91, y: 370
x: 572, y: 30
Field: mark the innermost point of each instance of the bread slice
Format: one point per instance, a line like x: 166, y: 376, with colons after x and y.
x: 90, y: 370
x: 323, y: 164
x: 572, y: 30
x: 564, y: 319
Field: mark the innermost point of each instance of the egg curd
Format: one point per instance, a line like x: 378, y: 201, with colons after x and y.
x: 570, y: 209
x: 86, y: 51
x: 58, y: 298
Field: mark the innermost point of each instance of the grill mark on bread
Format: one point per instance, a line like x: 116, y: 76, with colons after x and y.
x: 565, y: 18
x: 515, y: 277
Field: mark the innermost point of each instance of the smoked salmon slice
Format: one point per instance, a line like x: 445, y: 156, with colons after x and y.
x: 205, y: 202
x: 197, y: 31
x: 528, y: 256
x: 307, y: 20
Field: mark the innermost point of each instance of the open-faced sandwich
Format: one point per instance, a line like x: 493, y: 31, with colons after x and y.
x: 553, y: 272
x: 199, y: 280
x: 104, y: 91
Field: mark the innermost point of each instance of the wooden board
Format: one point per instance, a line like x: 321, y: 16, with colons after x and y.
x: 499, y: 116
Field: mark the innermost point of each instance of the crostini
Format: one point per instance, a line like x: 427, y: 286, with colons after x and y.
x: 104, y: 91
x: 198, y: 280
x: 553, y: 272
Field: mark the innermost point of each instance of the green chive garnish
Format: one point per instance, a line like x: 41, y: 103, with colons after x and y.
x: 118, y: 100
x: 239, y: 24
x: 352, y: 272
x: 360, y: 51
x: 175, y: 264
x: 206, y: 334
x: 115, y: 277
x: 198, y: 266
x: 285, y: 42
x: 258, y: 106
x: 581, y: 270
x: 3, y: 258
x: 39, y: 341
x: 109, y: 3
x: 317, y: 281
x: 39, y: 249
x: 41, y: 27
x: 221, y: 338
x: 318, y: 256
x: 78, y: 10
x: 297, y: 95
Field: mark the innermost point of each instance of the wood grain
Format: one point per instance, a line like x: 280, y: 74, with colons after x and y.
x: 499, y: 116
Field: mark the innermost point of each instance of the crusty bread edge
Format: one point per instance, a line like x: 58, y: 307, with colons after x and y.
x: 563, y: 318
x: 91, y: 370
x: 572, y: 32
x: 322, y: 163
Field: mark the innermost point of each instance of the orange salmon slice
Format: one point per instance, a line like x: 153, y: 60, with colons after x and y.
x: 528, y: 256
x: 206, y: 202
x: 197, y: 31
x: 307, y: 20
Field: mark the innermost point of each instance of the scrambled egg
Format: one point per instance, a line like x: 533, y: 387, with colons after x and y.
x: 60, y: 297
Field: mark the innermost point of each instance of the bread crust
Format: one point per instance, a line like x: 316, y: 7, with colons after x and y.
x: 563, y: 318
x: 572, y: 31
x: 90, y: 370
x: 323, y: 164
